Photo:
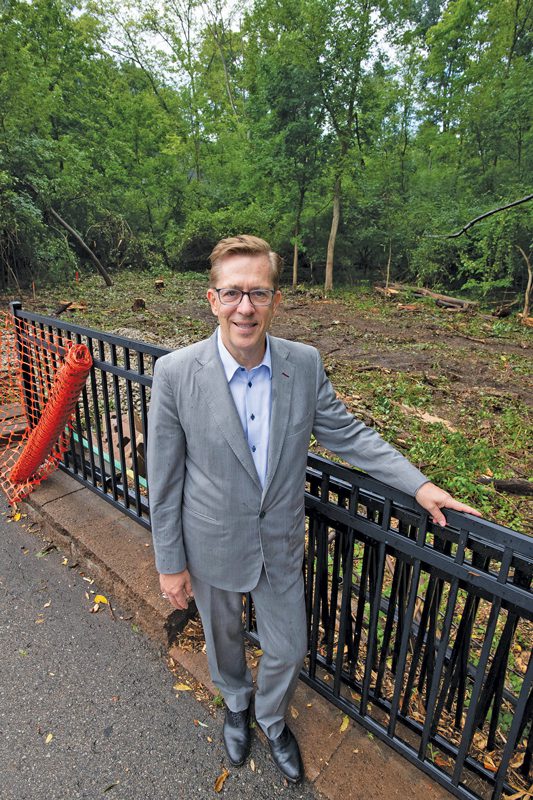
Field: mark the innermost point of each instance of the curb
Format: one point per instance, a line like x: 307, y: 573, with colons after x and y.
x: 117, y: 552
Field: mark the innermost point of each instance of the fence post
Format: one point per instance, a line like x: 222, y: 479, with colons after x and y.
x: 25, y: 366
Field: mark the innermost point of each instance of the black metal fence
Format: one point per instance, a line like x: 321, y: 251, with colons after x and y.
x: 421, y: 634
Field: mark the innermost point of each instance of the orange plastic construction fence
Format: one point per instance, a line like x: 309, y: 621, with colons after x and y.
x: 41, y: 378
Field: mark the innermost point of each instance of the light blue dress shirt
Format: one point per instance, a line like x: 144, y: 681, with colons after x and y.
x: 252, y: 395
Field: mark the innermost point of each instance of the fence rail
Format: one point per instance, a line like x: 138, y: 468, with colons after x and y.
x: 421, y: 634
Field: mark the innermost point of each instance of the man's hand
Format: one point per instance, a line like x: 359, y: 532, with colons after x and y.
x: 177, y: 588
x: 433, y: 499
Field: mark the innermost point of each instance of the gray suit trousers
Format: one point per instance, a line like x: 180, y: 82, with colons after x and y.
x: 281, y: 626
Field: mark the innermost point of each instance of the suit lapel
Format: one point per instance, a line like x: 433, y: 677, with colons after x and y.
x: 282, y: 383
x: 212, y: 380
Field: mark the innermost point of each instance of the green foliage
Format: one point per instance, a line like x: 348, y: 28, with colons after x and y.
x: 153, y: 130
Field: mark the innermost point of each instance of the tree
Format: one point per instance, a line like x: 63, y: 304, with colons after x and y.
x: 340, y: 36
x: 284, y: 109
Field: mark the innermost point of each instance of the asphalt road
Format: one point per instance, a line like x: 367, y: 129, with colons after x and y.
x: 86, y: 702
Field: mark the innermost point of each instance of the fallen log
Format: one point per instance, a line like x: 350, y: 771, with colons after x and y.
x: 504, y: 310
x: 386, y: 291
x: 70, y: 305
x: 449, y: 306
x: 63, y: 307
x: 420, y: 291
x: 511, y: 486
x: 444, y: 298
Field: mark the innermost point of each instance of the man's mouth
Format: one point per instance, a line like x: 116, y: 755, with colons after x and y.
x: 245, y: 325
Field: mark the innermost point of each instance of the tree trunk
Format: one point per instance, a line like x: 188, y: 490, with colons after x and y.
x: 75, y: 235
x: 296, y: 234
x: 527, y: 296
x: 328, y: 284
x: 387, y: 279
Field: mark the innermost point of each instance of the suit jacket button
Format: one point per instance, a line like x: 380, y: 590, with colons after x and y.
x: 262, y: 514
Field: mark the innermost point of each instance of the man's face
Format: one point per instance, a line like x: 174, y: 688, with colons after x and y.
x: 243, y: 328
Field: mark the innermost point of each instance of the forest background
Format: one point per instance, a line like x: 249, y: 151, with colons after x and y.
x: 351, y: 134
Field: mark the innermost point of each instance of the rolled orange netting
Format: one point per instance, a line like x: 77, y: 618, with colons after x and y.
x: 41, y: 377
x: 68, y: 382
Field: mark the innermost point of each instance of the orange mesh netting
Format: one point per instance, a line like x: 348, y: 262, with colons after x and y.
x: 41, y: 378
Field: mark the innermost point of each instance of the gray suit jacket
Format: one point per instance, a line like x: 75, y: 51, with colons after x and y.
x: 208, y: 510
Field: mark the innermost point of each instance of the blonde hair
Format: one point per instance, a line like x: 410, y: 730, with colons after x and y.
x: 244, y: 244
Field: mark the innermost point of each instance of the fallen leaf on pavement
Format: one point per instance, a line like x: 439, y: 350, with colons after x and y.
x: 252, y: 765
x: 200, y: 724
x: 219, y: 783
x: 49, y: 738
x: 48, y: 604
x: 345, y: 723
x: 111, y: 786
x: 294, y: 712
x: 94, y: 609
x: 182, y: 687
x: 101, y: 599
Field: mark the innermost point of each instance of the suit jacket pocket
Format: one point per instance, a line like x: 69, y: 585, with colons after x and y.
x: 187, y: 510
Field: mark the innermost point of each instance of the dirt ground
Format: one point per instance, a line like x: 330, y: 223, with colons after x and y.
x: 411, y: 342
x: 415, y: 371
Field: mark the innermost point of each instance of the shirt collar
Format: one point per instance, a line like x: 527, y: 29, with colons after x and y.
x: 231, y: 365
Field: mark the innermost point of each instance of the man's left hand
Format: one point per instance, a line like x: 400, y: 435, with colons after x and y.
x: 430, y: 497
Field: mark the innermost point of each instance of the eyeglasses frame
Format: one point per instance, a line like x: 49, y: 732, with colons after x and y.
x: 248, y: 294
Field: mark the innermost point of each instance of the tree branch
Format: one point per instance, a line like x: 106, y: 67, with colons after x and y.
x: 472, y: 222
x: 75, y: 235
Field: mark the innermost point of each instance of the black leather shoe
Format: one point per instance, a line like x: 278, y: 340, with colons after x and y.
x: 236, y: 734
x: 286, y: 755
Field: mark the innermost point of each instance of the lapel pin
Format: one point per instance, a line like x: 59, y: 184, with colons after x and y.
x: 285, y: 375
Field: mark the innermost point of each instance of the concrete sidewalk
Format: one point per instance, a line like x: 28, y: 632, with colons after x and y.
x: 117, y: 552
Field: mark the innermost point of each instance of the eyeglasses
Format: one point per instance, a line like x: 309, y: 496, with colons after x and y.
x: 257, y: 297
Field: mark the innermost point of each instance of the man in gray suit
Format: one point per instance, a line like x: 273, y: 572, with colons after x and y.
x: 229, y: 428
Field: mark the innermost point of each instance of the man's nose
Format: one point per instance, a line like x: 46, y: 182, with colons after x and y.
x: 246, y: 306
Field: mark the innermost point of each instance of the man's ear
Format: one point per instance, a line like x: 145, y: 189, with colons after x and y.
x: 276, y: 300
x: 212, y: 298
